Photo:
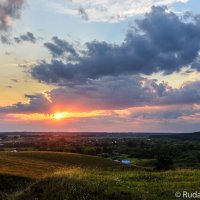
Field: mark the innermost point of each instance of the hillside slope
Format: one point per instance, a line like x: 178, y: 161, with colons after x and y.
x: 56, y: 176
x: 82, y: 184
x: 35, y: 164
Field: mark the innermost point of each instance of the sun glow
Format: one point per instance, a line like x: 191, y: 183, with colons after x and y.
x: 58, y: 116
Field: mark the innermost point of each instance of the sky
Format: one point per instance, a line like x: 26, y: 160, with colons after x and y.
x: 100, y: 65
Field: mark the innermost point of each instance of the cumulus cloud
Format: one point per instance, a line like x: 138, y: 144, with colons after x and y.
x: 10, y: 10
x: 166, y: 113
x: 108, y: 10
x: 189, y: 93
x: 37, y: 104
x: 61, y: 48
x: 159, y: 45
x: 106, y: 76
x: 109, y: 93
x: 106, y: 93
x: 124, y: 92
x: 28, y: 37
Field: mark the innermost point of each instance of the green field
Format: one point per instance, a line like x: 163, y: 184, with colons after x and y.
x: 35, y: 164
x: 45, y: 175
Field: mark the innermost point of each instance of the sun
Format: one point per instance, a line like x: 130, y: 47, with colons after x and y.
x: 58, y: 116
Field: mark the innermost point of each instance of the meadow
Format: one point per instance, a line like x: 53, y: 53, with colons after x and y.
x: 35, y: 164
x: 53, y: 175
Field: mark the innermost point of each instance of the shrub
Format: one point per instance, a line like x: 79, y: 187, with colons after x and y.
x: 163, y: 163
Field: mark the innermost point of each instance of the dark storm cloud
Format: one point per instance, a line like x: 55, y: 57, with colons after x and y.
x: 107, y: 76
x: 163, y: 43
x: 60, y: 48
x: 9, y: 10
x: 166, y: 113
x: 107, y: 93
x: 110, y: 93
x: 124, y: 92
x: 28, y: 37
x: 187, y: 94
x: 196, y: 64
x: 37, y: 104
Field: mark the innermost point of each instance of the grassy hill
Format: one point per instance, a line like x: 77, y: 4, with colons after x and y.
x: 35, y: 164
x: 52, y: 176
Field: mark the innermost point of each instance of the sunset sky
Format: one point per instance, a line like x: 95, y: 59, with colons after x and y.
x: 100, y: 65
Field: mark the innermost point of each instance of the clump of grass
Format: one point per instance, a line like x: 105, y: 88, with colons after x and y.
x: 85, y: 184
x: 91, y: 183
x: 11, y: 183
x: 72, y: 183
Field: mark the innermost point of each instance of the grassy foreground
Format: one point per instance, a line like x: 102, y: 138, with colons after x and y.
x: 73, y: 178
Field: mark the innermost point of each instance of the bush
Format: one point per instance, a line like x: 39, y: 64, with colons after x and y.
x: 163, y: 163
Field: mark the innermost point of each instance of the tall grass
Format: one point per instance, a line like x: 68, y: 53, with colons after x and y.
x: 60, y: 176
x: 81, y: 184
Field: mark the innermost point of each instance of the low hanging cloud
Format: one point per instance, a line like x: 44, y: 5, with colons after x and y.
x: 109, y: 93
x: 37, y: 104
x: 122, y: 93
x: 108, y: 10
x: 28, y: 37
x: 163, y: 43
x: 167, y: 113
